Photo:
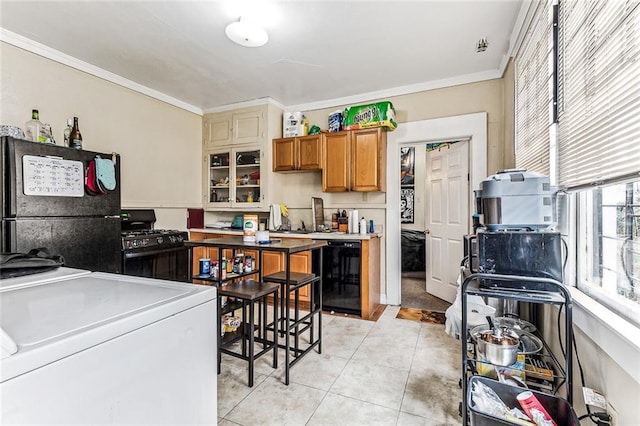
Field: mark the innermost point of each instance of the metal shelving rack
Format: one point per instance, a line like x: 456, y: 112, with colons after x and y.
x: 523, y: 289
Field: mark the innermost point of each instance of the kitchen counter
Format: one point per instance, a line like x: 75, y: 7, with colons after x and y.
x: 369, y: 269
x: 293, y: 234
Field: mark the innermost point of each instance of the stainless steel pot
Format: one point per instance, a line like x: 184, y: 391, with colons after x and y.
x: 499, y: 347
x: 528, y: 342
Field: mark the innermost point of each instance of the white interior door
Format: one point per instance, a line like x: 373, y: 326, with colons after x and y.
x: 446, y: 217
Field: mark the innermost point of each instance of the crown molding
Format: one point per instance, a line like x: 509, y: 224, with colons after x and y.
x: 398, y: 91
x: 245, y: 104
x: 40, y: 49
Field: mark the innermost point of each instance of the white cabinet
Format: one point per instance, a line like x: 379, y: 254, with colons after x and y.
x: 232, y: 178
x: 233, y: 128
x: 237, y: 158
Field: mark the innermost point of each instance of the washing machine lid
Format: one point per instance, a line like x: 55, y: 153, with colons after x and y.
x: 56, y: 318
x: 42, y: 277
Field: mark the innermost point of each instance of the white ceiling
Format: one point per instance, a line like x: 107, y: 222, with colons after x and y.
x: 319, y: 52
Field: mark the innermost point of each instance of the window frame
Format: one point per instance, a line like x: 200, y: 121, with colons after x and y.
x: 617, y: 337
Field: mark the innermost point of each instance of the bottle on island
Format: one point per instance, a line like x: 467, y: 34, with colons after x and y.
x: 33, y: 127
x: 75, y: 138
x: 67, y: 132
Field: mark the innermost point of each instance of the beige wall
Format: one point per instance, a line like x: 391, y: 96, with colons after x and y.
x: 486, y: 96
x: 160, y: 144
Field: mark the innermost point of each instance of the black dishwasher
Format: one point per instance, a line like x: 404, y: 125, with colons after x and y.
x: 341, y: 276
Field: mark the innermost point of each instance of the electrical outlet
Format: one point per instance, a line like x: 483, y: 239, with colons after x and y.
x: 613, y: 413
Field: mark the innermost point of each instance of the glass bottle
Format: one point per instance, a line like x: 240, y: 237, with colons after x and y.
x: 67, y: 132
x: 33, y: 127
x: 75, y: 137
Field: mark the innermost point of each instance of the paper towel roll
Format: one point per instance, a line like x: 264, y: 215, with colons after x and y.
x: 355, y: 222
x: 262, y: 236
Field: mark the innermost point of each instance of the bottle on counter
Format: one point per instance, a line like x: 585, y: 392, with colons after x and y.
x: 363, y: 226
x: 75, y: 137
x: 67, y: 132
x: 33, y: 127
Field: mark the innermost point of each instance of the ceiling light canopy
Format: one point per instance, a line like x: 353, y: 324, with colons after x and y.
x: 246, y: 33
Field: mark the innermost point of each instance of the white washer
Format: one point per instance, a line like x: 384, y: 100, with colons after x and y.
x: 42, y: 277
x: 107, y: 349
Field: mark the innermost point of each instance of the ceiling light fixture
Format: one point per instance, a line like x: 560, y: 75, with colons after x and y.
x: 246, y: 33
x: 482, y: 45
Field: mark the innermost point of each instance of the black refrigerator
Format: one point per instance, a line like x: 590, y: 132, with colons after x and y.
x: 45, y: 203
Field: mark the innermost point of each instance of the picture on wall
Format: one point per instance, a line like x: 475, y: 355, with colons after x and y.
x: 407, y: 166
x: 407, y: 182
x: 406, y: 204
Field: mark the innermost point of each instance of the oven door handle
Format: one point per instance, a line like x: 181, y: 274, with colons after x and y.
x: 133, y: 255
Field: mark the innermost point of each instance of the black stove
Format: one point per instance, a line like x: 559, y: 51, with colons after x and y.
x: 159, y: 238
x: 150, y: 252
x: 138, y: 232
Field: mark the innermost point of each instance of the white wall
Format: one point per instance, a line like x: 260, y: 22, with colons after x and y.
x: 160, y: 144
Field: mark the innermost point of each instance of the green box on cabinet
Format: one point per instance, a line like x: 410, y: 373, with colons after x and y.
x: 379, y: 114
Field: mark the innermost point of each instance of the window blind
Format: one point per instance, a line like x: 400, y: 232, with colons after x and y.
x: 599, y: 91
x: 534, y: 88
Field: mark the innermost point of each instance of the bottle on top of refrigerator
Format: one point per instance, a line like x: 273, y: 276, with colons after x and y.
x: 33, y: 127
x: 67, y: 132
x: 75, y: 137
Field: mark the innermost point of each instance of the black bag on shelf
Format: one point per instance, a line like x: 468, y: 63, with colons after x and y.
x: 36, y: 261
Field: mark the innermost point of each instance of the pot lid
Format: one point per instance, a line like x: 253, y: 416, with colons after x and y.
x: 516, y: 324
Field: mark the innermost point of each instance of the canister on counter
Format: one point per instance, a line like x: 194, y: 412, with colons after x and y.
x: 250, y: 226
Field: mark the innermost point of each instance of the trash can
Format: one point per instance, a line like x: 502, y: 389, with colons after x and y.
x: 558, y: 408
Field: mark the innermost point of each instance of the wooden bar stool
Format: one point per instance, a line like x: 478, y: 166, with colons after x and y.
x: 248, y: 295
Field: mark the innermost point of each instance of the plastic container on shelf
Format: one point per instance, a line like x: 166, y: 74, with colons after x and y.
x: 558, y: 408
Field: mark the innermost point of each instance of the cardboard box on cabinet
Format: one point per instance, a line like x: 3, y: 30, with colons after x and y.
x: 294, y: 124
x: 379, y: 114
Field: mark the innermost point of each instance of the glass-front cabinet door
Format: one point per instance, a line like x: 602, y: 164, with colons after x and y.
x: 232, y: 179
x: 247, y: 178
x: 219, y: 179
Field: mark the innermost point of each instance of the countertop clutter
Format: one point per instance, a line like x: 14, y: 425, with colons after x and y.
x: 295, y: 234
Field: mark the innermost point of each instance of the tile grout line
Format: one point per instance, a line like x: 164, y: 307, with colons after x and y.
x: 334, y: 381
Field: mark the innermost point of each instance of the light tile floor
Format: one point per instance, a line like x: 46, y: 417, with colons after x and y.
x: 388, y: 372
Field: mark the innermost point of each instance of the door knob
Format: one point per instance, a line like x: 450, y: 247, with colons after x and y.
x: 427, y: 232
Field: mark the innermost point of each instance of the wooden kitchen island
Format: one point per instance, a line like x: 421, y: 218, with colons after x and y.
x: 291, y: 283
x: 302, y: 261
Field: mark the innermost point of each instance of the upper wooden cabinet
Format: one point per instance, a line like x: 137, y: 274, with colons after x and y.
x: 354, y: 160
x: 232, y: 128
x: 336, y: 153
x: 297, y: 153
